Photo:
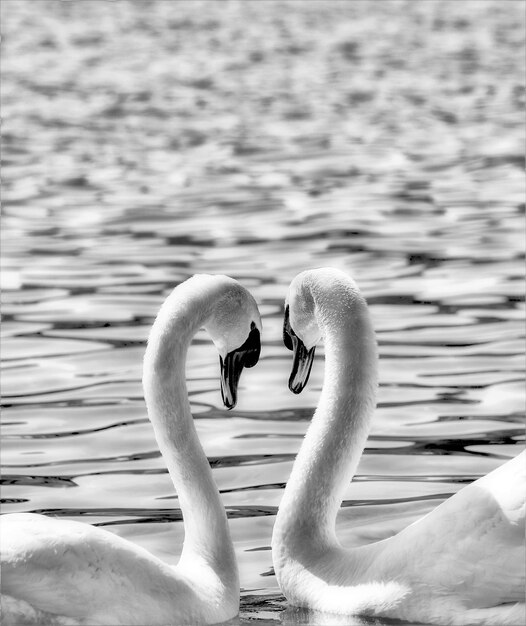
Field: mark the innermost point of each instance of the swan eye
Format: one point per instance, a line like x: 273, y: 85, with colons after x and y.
x: 288, y: 333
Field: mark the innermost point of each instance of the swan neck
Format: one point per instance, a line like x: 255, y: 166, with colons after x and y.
x: 336, y: 437
x: 207, y: 535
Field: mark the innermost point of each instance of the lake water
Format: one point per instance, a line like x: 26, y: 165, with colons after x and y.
x: 148, y: 141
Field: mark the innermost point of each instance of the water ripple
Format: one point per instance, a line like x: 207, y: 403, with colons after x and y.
x: 395, y: 158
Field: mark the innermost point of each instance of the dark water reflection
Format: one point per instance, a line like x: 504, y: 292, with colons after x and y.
x: 144, y: 143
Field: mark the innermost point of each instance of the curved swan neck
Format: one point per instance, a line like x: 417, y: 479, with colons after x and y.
x: 336, y: 437
x: 206, y: 530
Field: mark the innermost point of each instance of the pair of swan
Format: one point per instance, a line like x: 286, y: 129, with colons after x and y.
x: 461, y: 564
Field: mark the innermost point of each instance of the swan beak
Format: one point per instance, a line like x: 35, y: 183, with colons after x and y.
x: 232, y: 366
x: 301, y: 365
x: 302, y: 358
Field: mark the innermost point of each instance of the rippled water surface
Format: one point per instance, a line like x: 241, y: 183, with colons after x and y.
x: 146, y: 142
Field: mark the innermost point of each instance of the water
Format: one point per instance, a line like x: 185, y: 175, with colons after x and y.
x: 144, y: 143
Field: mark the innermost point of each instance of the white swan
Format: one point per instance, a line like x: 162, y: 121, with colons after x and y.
x: 92, y: 576
x: 461, y: 564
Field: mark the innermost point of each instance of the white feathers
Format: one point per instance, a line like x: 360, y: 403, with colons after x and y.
x: 461, y: 564
x: 65, y: 572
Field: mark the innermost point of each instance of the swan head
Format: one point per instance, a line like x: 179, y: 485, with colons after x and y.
x: 301, y: 332
x: 235, y: 328
x: 319, y: 301
x: 226, y: 310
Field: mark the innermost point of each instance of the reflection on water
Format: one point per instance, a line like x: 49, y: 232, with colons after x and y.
x: 146, y: 144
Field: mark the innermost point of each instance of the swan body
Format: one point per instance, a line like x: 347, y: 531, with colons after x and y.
x: 67, y: 572
x: 463, y: 563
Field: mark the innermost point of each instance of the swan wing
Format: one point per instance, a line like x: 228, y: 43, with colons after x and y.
x: 75, y: 569
x: 472, y: 546
x: 17, y: 612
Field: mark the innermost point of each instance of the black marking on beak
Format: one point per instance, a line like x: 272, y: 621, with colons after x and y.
x: 288, y: 333
x: 245, y: 356
x: 302, y: 358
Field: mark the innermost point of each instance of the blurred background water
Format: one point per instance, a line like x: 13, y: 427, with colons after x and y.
x: 148, y: 141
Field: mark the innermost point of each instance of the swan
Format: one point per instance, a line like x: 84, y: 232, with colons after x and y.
x: 463, y: 563
x: 90, y: 576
